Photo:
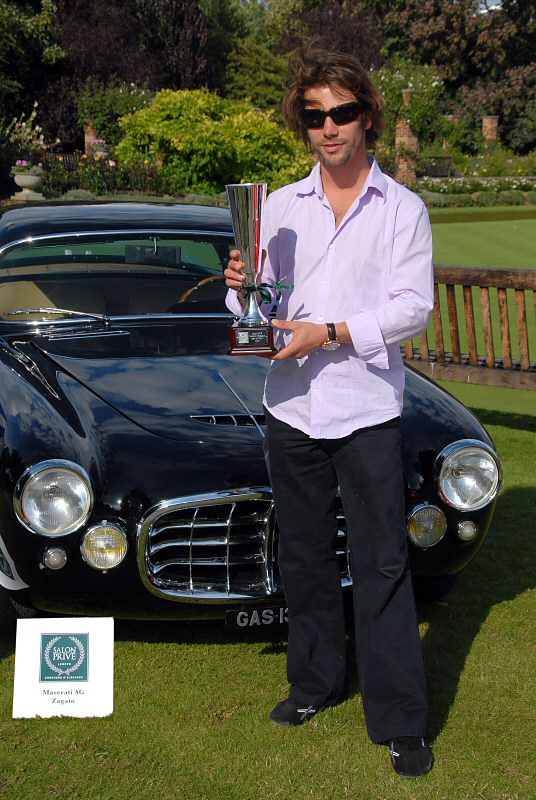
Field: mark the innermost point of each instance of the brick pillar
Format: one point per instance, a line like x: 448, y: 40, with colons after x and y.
x: 89, y: 137
x: 407, y: 150
x: 490, y: 127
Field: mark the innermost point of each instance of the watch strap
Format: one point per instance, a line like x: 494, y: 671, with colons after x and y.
x: 332, y: 332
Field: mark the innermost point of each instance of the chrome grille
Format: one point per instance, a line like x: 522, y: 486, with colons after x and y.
x: 220, y: 546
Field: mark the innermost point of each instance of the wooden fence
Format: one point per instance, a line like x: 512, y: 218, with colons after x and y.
x: 492, y: 312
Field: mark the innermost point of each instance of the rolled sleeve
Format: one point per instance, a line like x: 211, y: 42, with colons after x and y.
x: 367, y: 339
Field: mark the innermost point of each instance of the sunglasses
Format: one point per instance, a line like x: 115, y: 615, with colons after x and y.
x: 314, y: 118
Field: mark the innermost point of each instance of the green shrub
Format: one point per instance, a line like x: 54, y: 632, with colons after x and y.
x: 487, y: 198
x: 432, y: 199
x: 102, y: 106
x: 496, y: 161
x: 530, y: 198
x: 78, y: 194
x: 202, y: 141
x: 438, y: 200
x: 57, y: 180
x: 427, y: 89
x: 511, y: 197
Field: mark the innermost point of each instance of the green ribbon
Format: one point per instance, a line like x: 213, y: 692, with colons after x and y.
x: 263, y: 289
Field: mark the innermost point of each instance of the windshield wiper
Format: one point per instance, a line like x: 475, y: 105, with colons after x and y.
x: 68, y: 311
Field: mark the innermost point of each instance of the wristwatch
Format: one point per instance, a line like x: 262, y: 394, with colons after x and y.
x: 331, y: 343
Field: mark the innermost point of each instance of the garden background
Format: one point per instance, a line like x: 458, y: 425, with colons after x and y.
x: 184, y: 96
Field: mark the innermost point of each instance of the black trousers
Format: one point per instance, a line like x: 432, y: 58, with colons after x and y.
x: 305, y: 474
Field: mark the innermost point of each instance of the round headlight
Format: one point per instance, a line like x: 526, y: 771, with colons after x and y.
x: 426, y: 525
x: 53, y: 498
x: 104, y: 546
x: 469, y: 475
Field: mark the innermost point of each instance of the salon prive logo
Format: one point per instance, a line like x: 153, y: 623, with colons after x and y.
x: 64, y: 657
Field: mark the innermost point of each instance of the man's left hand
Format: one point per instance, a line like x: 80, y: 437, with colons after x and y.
x: 306, y: 337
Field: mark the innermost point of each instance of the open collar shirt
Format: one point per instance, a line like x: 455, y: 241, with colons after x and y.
x: 374, y: 272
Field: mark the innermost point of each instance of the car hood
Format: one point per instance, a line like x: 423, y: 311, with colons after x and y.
x: 160, y: 378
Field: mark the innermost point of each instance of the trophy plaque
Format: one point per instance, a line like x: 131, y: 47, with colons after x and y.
x: 252, y: 334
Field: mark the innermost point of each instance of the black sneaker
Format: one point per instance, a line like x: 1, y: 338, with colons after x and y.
x: 411, y: 756
x: 289, y: 713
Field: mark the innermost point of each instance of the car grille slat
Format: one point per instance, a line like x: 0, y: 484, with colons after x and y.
x: 181, y: 558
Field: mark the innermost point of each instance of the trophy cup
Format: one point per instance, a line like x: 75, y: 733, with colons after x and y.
x: 252, y: 334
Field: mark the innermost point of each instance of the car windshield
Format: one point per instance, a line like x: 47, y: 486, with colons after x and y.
x: 114, y: 274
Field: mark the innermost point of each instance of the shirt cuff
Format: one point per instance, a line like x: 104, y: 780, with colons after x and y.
x: 233, y: 303
x: 367, y: 339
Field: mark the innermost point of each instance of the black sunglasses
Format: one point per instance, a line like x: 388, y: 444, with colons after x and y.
x: 314, y: 118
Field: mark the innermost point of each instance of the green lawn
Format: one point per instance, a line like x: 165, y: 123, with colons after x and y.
x: 497, y: 243
x: 509, y: 243
x: 191, y: 702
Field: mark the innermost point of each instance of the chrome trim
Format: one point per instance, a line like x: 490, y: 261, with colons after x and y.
x: 453, y: 447
x: 101, y: 524
x: 230, y: 420
x: 112, y: 232
x: 244, y: 406
x: 220, y: 532
x: 34, y: 470
x: 38, y: 325
x: 196, y: 502
x: 414, y: 511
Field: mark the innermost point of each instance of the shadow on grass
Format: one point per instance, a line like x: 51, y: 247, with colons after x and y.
x: 503, y: 570
x: 508, y: 419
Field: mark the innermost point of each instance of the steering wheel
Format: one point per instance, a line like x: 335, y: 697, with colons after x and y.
x: 210, y: 279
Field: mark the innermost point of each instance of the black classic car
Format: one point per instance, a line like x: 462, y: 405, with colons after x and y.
x: 132, y: 476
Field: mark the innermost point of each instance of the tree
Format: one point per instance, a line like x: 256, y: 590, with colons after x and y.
x: 27, y: 47
x: 254, y: 73
x: 152, y: 43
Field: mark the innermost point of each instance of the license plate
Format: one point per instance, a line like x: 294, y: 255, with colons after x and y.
x: 256, y: 618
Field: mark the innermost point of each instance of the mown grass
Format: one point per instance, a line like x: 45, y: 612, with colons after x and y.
x: 498, y: 242
x: 507, y: 243
x: 191, y: 701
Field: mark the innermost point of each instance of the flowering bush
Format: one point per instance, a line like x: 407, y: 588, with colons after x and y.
x: 26, y: 136
x: 24, y: 166
x: 468, y: 185
x: 426, y: 86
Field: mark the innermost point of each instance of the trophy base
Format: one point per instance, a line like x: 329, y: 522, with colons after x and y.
x: 251, y: 340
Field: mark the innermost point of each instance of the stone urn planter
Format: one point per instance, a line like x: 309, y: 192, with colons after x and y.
x: 29, y: 183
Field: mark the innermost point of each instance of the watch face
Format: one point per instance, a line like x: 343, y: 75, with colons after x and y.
x: 331, y: 346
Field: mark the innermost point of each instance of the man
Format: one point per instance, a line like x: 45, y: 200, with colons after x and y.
x: 356, y: 247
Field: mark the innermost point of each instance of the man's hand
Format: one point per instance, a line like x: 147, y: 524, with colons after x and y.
x: 234, y: 272
x: 306, y: 337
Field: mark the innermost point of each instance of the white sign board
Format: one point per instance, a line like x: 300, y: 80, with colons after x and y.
x: 64, y: 667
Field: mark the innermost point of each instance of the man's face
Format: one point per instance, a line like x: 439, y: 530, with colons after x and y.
x: 336, y: 145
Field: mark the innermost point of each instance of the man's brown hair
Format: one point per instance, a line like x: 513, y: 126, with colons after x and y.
x: 311, y: 65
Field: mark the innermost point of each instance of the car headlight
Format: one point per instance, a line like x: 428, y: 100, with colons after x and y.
x: 104, y: 546
x: 53, y: 498
x: 469, y: 474
x: 426, y: 525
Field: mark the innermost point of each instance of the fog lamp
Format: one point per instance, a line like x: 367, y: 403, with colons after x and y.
x: 55, y: 558
x: 466, y: 530
x: 104, y: 546
x: 426, y: 525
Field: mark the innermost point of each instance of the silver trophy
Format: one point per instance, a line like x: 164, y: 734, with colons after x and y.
x: 252, y: 334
